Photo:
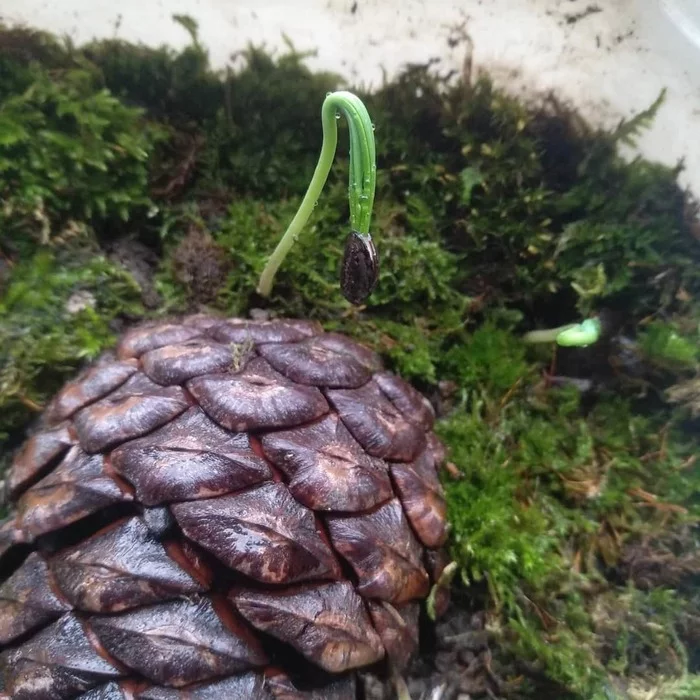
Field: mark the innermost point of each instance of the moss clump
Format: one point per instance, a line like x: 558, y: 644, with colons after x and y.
x: 69, y: 152
x: 549, y: 498
x: 58, y: 311
x: 492, y: 218
x: 667, y: 345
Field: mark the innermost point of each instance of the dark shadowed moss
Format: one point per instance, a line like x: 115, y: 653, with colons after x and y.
x: 492, y: 218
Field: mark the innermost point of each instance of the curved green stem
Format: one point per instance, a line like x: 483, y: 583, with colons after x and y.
x: 546, y: 335
x: 363, y: 175
x: 578, y: 335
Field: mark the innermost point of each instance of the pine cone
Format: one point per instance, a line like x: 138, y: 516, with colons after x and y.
x: 220, y: 509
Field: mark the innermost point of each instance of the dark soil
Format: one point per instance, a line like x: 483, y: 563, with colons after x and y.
x: 455, y: 663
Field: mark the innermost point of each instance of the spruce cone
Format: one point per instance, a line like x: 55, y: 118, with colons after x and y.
x: 220, y: 509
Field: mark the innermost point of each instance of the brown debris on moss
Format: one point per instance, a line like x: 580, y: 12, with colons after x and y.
x: 200, y: 264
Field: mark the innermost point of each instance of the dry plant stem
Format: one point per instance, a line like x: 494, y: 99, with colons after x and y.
x: 400, y: 686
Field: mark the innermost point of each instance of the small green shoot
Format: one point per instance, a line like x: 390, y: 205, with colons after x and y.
x: 363, y: 176
x: 579, y: 335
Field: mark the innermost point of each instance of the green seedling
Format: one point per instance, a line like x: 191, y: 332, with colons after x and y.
x: 359, y: 270
x: 576, y: 335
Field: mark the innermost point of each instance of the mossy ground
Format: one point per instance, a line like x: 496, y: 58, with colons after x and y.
x: 573, y: 504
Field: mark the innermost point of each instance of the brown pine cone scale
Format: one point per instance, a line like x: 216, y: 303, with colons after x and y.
x: 222, y: 508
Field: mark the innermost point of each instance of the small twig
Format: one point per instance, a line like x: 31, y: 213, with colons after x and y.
x: 510, y: 392
x: 689, y: 462
x: 453, y: 470
x: 456, y: 638
x: 438, y: 693
x: 576, y: 563
x: 547, y: 619
x: 444, y: 580
x: 650, y: 500
x: 400, y: 687
x: 665, y: 507
x: 30, y: 403
x: 553, y: 363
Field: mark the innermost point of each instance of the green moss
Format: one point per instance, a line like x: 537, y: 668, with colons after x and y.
x: 69, y: 152
x: 640, y: 635
x: 57, y: 313
x: 260, y: 142
x: 508, y: 530
x: 548, y: 499
x: 174, y: 86
x: 665, y: 345
x: 684, y: 689
x: 24, y: 53
x: 472, y: 363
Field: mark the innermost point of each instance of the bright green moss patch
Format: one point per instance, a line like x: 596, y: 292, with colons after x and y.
x: 473, y: 364
x: 575, y: 516
x: 548, y: 501
x: 667, y: 345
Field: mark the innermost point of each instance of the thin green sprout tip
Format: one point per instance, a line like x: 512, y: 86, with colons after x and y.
x: 579, y: 335
x: 363, y: 176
